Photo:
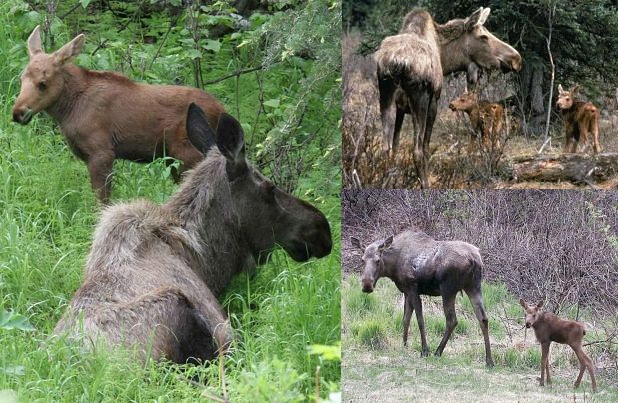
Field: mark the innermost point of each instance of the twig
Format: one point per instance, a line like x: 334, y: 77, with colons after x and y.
x: 548, y: 140
x: 156, y: 55
x: 234, y: 74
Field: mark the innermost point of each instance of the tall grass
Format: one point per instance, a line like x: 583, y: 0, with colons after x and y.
x: 47, y: 215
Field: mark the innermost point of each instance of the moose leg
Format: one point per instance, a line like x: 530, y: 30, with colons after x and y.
x: 583, y: 135
x: 419, y: 105
x: 408, y: 308
x: 584, y: 362
x: 595, y: 132
x: 432, y: 110
x: 476, y: 298
x: 388, y: 110
x: 545, y: 363
x: 448, y: 303
x: 398, y: 123
x: 418, y: 307
x: 100, y: 169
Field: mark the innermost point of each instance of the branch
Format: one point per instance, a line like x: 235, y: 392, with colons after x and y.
x: 234, y: 74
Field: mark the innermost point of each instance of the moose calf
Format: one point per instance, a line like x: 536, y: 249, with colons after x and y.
x: 485, y: 116
x: 547, y: 328
x: 580, y: 118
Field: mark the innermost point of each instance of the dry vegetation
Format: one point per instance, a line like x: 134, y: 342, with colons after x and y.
x: 451, y: 165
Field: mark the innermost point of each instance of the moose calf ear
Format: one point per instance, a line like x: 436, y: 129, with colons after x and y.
x: 560, y: 89
x: 199, y: 131
x: 540, y: 304
x: 231, y: 143
x: 356, y: 243
x: 34, y: 42
x: 71, y: 49
x: 522, y: 302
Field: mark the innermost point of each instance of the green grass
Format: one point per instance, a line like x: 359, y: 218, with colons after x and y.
x: 47, y: 216
x: 377, y: 367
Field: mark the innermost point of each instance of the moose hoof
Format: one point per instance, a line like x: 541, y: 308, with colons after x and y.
x: 424, y: 353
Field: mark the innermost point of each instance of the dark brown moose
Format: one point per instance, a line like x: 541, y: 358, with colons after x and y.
x: 105, y: 116
x: 580, y: 119
x: 420, y: 265
x: 485, y: 117
x: 547, y: 328
x: 154, y: 273
x: 411, y: 66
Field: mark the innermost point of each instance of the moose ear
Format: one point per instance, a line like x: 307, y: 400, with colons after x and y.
x: 71, y: 49
x: 560, y: 89
x: 34, y: 42
x: 231, y: 143
x: 540, y: 304
x: 522, y: 303
x: 386, y: 244
x: 477, y: 18
x: 574, y: 89
x: 199, y: 131
x: 357, y: 243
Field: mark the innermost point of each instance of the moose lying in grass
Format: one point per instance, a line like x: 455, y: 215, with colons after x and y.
x: 411, y: 66
x: 420, y: 265
x: 580, y: 119
x: 105, y: 116
x: 547, y: 328
x: 485, y: 117
x: 154, y: 273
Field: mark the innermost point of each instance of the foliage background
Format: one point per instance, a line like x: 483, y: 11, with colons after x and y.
x: 277, y: 69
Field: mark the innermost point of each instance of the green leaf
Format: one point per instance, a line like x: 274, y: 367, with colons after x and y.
x: 329, y: 353
x: 212, y: 45
x: 11, y: 320
x: 84, y: 3
x: 273, y: 103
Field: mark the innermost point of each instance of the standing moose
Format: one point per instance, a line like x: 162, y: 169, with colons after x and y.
x: 580, y: 119
x: 420, y: 265
x: 547, y: 328
x: 104, y: 115
x: 411, y: 66
x: 154, y: 272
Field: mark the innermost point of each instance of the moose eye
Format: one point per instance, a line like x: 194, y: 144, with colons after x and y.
x: 484, y: 38
x: 42, y: 86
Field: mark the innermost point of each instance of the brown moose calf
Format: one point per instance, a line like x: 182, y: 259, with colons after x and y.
x: 105, y: 116
x: 547, y: 328
x: 485, y: 116
x: 580, y: 118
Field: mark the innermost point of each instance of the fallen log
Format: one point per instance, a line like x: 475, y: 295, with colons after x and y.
x: 575, y: 168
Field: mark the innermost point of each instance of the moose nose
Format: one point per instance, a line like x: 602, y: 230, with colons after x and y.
x: 22, y: 116
x: 451, y: 107
x: 367, y: 285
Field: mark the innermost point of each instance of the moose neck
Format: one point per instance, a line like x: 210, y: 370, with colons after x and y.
x: 452, y: 55
x: 203, y: 205
x: 74, y: 86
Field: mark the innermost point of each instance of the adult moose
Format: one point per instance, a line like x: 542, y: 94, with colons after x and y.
x: 420, y: 265
x: 105, y: 116
x: 154, y: 273
x: 411, y: 66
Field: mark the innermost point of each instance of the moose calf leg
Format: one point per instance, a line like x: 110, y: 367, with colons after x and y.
x: 584, y: 362
x: 100, y: 170
x: 545, y: 363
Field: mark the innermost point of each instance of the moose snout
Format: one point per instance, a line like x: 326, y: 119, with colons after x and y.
x: 22, y: 116
x: 367, y: 285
